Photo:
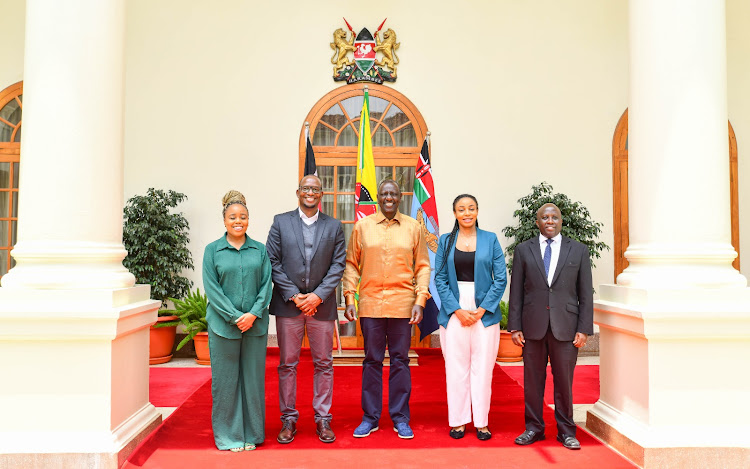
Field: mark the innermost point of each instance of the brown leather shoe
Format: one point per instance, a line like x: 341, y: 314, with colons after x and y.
x: 325, y: 433
x: 288, y: 430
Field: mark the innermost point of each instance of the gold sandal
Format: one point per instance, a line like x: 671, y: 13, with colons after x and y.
x: 237, y: 450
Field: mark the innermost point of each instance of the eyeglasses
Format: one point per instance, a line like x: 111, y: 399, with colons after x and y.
x: 311, y: 189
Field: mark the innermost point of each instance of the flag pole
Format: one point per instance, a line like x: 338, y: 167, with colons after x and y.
x: 338, y: 337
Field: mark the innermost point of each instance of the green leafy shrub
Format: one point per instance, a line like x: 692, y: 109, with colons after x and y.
x: 577, y: 222
x: 157, y: 243
x: 192, y: 314
x: 503, y: 315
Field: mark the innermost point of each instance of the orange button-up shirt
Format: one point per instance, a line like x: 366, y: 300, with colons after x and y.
x: 389, y: 262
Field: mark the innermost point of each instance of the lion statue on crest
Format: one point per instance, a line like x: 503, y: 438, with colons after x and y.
x: 341, y: 47
x: 387, y: 47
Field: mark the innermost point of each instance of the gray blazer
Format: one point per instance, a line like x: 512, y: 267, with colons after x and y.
x: 566, y: 306
x: 286, y: 251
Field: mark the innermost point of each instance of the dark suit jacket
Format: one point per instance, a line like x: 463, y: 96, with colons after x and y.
x: 286, y: 251
x: 567, y: 305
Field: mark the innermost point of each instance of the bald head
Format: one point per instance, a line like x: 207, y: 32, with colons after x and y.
x: 549, y: 220
x: 309, y: 193
x: 310, y: 179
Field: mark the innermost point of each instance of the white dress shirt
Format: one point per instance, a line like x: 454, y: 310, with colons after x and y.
x: 556, y: 242
x: 310, y: 220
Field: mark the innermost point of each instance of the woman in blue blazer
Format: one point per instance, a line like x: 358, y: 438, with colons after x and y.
x: 470, y: 280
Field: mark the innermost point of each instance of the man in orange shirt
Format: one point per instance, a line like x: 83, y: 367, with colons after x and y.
x: 387, y: 260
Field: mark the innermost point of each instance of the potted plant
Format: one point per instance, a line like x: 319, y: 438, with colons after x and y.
x: 157, y: 243
x: 507, y: 351
x: 192, y: 313
x: 162, y: 336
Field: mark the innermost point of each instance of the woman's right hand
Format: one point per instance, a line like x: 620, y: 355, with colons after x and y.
x: 465, y: 317
x: 246, y: 321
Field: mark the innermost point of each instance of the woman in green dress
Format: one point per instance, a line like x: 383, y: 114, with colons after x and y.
x: 237, y: 280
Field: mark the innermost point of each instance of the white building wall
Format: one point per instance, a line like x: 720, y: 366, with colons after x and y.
x: 514, y: 93
x: 738, y: 104
x: 12, y: 30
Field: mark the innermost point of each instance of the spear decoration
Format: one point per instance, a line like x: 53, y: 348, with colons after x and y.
x: 379, y: 27
x: 350, y: 26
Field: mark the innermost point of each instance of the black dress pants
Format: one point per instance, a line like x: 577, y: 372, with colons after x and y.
x: 562, y: 358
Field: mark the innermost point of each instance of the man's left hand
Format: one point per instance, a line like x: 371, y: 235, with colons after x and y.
x: 580, y: 339
x: 416, y: 314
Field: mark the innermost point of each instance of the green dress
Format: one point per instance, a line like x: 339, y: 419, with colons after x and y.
x: 237, y: 281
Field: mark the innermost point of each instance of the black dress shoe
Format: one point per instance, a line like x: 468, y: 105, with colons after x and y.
x: 457, y: 434
x: 484, y: 436
x: 569, y: 442
x: 528, y: 437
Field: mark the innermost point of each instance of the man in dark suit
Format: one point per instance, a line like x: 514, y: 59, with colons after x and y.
x: 551, y: 313
x: 307, y: 252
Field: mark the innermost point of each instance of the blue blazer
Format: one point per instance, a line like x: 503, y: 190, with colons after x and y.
x: 490, y: 278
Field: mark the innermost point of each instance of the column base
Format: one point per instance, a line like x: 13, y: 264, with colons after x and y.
x: 68, y: 265
x: 75, y: 381
x: 104, y: 460
x: 665, y: 457
x: 673, y: 387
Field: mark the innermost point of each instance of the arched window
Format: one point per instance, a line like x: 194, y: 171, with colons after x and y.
x: 398, y: 131
x: 620, y: 193
x: 11, y: 106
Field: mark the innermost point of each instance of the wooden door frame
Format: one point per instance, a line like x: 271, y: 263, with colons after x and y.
x: 620, y: 193
x: 10, y: 152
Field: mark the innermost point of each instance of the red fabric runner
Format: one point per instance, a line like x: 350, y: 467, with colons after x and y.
x: 585, y: 383
x: 170, y: 387
x: 185, y: 439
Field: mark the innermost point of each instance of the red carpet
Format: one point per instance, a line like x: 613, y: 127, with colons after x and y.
x: 185, y: 439
x: 170, y: 387
x: 585, y: 383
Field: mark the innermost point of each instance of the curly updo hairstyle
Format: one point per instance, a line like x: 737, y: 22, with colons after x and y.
x: 230, y: 198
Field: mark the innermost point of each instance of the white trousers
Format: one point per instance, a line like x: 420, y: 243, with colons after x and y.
x: 470, y: 354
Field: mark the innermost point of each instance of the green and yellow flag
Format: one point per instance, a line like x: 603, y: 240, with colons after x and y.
x: 365, y: 200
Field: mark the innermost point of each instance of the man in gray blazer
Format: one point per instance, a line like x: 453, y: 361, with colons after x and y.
x: 551, y: 313
x: 307, y: 252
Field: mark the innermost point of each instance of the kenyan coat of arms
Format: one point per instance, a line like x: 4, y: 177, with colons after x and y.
x: 365, y: 48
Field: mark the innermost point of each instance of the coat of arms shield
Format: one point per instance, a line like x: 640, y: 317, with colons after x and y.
x: 364, y: 50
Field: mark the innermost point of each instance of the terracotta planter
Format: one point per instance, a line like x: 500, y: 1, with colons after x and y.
x: 508, y: 351
x: 200, y: 342
x: 162, y: 341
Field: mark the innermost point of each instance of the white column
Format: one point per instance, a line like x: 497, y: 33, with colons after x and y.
x: 675, y: 330
x: 678, y: 169
x: 74, y: 389
x: 70, y: 206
